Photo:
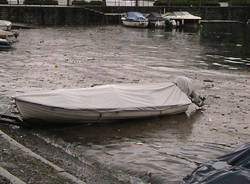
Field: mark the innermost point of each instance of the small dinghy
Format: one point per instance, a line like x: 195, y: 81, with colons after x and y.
x: 5, y: 25
x: 103, y: 103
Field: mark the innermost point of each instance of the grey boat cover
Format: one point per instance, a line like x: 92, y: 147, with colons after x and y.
x: 112, y: 97
x: 5, y: 23
x: 232, y: 168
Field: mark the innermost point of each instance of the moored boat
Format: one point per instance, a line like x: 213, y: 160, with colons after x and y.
x: 134, y: 19
x: 155, y: 20
x: 8, y: 34
x: 5, y: 25
x: 103, y: 103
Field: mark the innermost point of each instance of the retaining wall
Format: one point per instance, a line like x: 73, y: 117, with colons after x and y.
x: 63, y: 15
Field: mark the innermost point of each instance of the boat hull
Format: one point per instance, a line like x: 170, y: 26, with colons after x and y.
x: 139, y: 24
x: 40, y: 113
x: 157, y: 24
x: 5, y: 25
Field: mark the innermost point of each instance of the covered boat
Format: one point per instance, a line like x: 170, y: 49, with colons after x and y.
x: 182, y: 18
x: 134, y: 19
x: 103, y: 103
x: 5, y: 25
x: 231, y: 168
x: 156, y: 20
x: 9, y: 35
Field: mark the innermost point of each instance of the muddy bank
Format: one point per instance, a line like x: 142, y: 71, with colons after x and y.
x: 157, y: 150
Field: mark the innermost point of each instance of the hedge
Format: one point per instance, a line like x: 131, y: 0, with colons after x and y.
x: 41, y: 2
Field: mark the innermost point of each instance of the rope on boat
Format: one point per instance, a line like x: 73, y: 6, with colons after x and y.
x: 10, y: 119
x: 11, y: 115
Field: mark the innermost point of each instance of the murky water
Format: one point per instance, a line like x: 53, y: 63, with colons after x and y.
x: 157, y: 150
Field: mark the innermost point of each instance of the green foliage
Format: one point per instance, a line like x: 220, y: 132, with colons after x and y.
x: 41, y: 2
x: 3, y: 2
x: 91, y: 3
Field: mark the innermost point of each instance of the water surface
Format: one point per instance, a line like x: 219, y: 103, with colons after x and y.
x: 157, y: 150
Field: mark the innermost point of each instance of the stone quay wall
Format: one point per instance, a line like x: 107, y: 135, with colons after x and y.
x: 93, y: 15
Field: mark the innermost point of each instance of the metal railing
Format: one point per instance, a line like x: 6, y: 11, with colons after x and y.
x: 140, y: 3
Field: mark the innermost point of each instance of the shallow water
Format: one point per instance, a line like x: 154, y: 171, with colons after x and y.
x: 158, y: 150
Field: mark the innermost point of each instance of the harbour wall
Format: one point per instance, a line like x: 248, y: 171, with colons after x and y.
x: 82, y: 15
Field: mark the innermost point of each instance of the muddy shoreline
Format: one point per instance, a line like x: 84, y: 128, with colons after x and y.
x: 158, y: 150
x: 224, y: 121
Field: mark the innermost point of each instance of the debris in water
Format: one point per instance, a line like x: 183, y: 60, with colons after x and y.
x: 207, y: 80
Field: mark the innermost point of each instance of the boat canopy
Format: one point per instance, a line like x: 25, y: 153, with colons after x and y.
x: 231, y: 168
x: 155, y: 16
x: 134, y: 15
x: 180, y: 15
x: 5, y: 25
x: 112, y: 98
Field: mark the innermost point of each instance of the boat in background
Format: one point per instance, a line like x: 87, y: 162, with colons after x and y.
x: 182, y: 18
x: 7, y: 35
x: 155, y: 20
x: 10, y: 36
x: 5, y: 25
x: 5, y: 44
x: 134, y: 19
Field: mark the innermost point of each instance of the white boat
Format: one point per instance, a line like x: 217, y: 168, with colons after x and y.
x: 103, y: 103
x: 134, y: 19
x: 182, y: 18
x: 5, y: 25
x: 8, y: 34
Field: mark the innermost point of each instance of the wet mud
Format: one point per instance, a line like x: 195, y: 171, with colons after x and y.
x: 155, y: 150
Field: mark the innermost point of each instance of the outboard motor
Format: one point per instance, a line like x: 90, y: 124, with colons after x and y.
x: 185, y: 84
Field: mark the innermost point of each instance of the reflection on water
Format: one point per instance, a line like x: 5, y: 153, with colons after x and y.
x: 101, y: 133
x: 157, y: 150
x: 160, y: 150
x: 228, y: 45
